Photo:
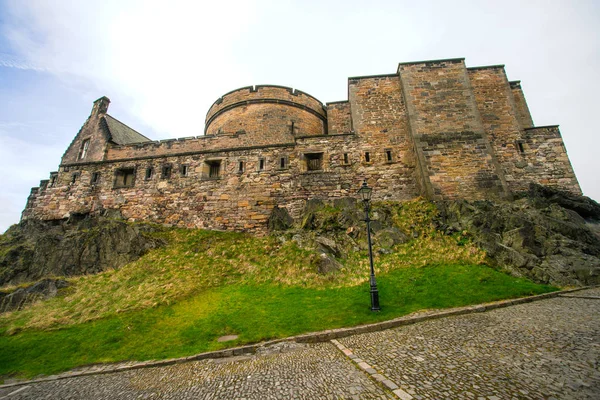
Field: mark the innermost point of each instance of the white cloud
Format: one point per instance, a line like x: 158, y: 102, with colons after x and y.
x: 11, y: 61
x: 157, y: 57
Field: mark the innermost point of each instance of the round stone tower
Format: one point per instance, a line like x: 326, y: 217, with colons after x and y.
x: 267, y: 110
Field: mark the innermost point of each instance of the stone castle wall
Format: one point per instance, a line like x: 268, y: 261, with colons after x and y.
x: 451, y: 143
x: 434, y: 128
x: 544, y: 160
x: 497, y: 108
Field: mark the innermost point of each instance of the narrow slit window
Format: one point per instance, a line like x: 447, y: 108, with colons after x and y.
x: 388, y: 156
x: 367, y: 156
x: 95, y: 178
x: 261, y: 164
x: 292, y: 128
x: 240, y: 167
x: 149, y: 173
x: 165, y: 172
x: 520, y: 147
x: 84, y: 149
x: 184, y: 170
x: 283, y: 162
x: 346, y: 159
x: 74, y: 177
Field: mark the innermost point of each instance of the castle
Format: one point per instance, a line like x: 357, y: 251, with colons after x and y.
x: 434, y: 128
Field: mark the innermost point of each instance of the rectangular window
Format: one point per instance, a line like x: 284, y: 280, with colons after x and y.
x: 165, y: 171
x: 95, y: 178
x: 124, y: 177
x: 261, y: 164
x: 83, y: 149
x: 388, y: 156
x: 367, y: 156
x: 314, y: 161
x: 240, y: 167
x: 184, y: 170
x: 346, y: 159
x: 520, y: 147
x: 214, y: 169
x: 149, y: 173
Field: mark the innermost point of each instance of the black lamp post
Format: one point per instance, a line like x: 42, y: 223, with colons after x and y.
x: 365, y: 193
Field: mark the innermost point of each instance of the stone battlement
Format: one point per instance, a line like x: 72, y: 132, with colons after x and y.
x: 263, y: 108
x: 434, y: 128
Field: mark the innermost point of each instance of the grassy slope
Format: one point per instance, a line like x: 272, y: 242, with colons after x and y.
x: 178, y: 300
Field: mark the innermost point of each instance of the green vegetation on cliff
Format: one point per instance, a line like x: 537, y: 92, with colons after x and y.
x: 178, y: 299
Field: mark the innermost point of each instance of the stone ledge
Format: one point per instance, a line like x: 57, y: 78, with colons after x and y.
x: 185, y: 153
x: 313, y: 337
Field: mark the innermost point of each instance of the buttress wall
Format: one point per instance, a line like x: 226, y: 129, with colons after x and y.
x: 544, y: 159
x: 496, y: 106
x: 452, y: 146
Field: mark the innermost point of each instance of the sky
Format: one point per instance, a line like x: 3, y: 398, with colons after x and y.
x: 163, y: 63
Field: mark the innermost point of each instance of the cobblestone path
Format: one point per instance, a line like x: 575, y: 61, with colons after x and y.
x: 548, y: 349
x: 316, y: 371
x: 542, y: 350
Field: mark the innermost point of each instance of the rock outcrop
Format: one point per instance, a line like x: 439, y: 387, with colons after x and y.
x: 334, y: 229
x: 546, y: 235
x: 33, y: 249
x: 19, y: 298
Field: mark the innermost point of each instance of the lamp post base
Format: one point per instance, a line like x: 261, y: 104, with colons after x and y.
x: 375, y: 299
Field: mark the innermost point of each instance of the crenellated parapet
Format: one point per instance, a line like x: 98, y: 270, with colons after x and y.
x: 274, y: 110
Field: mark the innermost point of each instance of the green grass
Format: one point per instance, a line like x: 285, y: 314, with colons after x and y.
x: 255, y: 312
x: 177, y: 300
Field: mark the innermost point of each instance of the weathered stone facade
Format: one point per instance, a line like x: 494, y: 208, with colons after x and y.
x: 434, y: 128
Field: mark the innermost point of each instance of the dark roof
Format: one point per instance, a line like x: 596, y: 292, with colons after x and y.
x: 121, y: 133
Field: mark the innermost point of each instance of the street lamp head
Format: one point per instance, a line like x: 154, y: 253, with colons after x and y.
x: 365, y: 191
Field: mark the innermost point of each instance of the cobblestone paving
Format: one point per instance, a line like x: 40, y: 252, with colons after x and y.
x: 549, y: 349
x: 316, y: 371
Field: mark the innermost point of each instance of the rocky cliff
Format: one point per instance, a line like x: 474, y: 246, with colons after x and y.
x: 546, y: 235
x: 34, y: 250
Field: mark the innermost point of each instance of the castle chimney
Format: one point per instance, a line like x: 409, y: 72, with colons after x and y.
x: 101, y: 105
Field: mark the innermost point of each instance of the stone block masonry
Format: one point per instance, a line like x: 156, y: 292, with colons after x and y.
x: 451, y: 143
x: 433, y: 128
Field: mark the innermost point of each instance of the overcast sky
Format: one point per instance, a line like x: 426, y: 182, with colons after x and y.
x: 163, y: 63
